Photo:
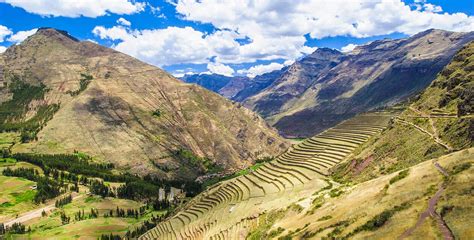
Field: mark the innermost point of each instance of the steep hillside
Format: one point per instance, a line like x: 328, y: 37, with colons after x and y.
x: 428, y: 201
x: 381, y: 73
x: 440, y: 121
x: 294, y: 81
x: 65, y: 95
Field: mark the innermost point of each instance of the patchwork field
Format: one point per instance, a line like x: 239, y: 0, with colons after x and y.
x: 237, y: 203
x: 50, y: 226
x: 16, y: 196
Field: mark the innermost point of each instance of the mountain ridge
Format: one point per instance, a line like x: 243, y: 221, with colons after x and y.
x: 117, y: 108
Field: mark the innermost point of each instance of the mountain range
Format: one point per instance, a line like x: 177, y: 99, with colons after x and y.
x: 327, y: 86
x: 67, y: 95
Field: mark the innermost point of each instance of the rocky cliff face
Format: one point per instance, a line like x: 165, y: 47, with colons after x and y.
x: 377, y: 74
x: 115, y: 108
x: 293, y: 82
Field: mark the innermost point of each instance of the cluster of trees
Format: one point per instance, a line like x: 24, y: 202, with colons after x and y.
x: 46, y: 188
x: 83, y: 83
x: 122, y: 213
x: 71, y: 163
x: 110, y: 237
x: 146, y: 225
x: 64, y: 218
x: 158, y: 205
x: 202, y: 164
x: 63, y: 201
x: 13, y: 111
x: 80, y: 215
x: 16, y: 228
x: 99, y: 188
x: 27, y: 173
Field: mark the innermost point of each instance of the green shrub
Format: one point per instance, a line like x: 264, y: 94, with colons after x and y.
x: 83, y: 83
x: 156, y: 113
x: 461, y: 167
x: 401, y: 175
x: 379, y: 220
x: 335, y: 192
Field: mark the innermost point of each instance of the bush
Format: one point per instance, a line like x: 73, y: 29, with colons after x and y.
x: 461, y: 167
x: 379, y: 220
x: 401, y: 175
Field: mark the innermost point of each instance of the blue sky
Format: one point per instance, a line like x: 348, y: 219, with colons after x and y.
x: 231, y: 38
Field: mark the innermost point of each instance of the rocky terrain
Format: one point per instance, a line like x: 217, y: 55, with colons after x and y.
x: 413, y: 167
x: 327, y: 86
x: 65, y: 95
x: 377, y: 74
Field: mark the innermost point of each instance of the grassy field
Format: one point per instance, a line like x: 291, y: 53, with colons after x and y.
x: 50, y: 226
x: 401, y: 203
x: 16, y: 196
x: 7, y: 139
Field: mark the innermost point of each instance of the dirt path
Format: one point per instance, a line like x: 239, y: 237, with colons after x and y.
x: 430, y: 120
x: 431, y: 212
x: 435, y: 138
x: 37, y: 212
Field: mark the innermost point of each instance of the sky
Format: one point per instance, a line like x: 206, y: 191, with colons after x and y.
x: 230, y: 37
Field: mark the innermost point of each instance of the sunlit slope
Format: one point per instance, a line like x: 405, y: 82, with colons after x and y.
x: 431, y: 200
x: 225, y: 209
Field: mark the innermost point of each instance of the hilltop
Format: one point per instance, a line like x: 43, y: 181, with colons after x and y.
x: 67, y: 96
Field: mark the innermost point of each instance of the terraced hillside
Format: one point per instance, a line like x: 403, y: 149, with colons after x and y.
x: 228, y: 208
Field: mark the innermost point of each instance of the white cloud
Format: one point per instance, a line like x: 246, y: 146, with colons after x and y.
x: 113, y: 33
x: 269, y: 19
x: 432, y: 8
x: 2, y: 49
x: 261, y: 69
x: 348, y: 48
x: 160, y: 47
x: 19, y: 36
x: 4, y: 31
x: 71, y: 8
x: 124, y: 22
x: 274, y: 30
x: 219, y: 68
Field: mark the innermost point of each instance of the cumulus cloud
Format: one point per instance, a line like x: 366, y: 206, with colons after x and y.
x: 2, y: 49
x: 69, y: 8
x: 261, y: 69
x: 4, y: 31
x: 113, y: 33
x: 19, y: 36
x: 123, y: 21
x: 274, y: 30
x: 320, y: 18
x: 349, y: 47
x: 219, y: 68
x: 161, y: 47
x: 432, y: 8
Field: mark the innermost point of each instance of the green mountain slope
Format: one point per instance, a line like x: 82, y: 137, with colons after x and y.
x: 438, y: 122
